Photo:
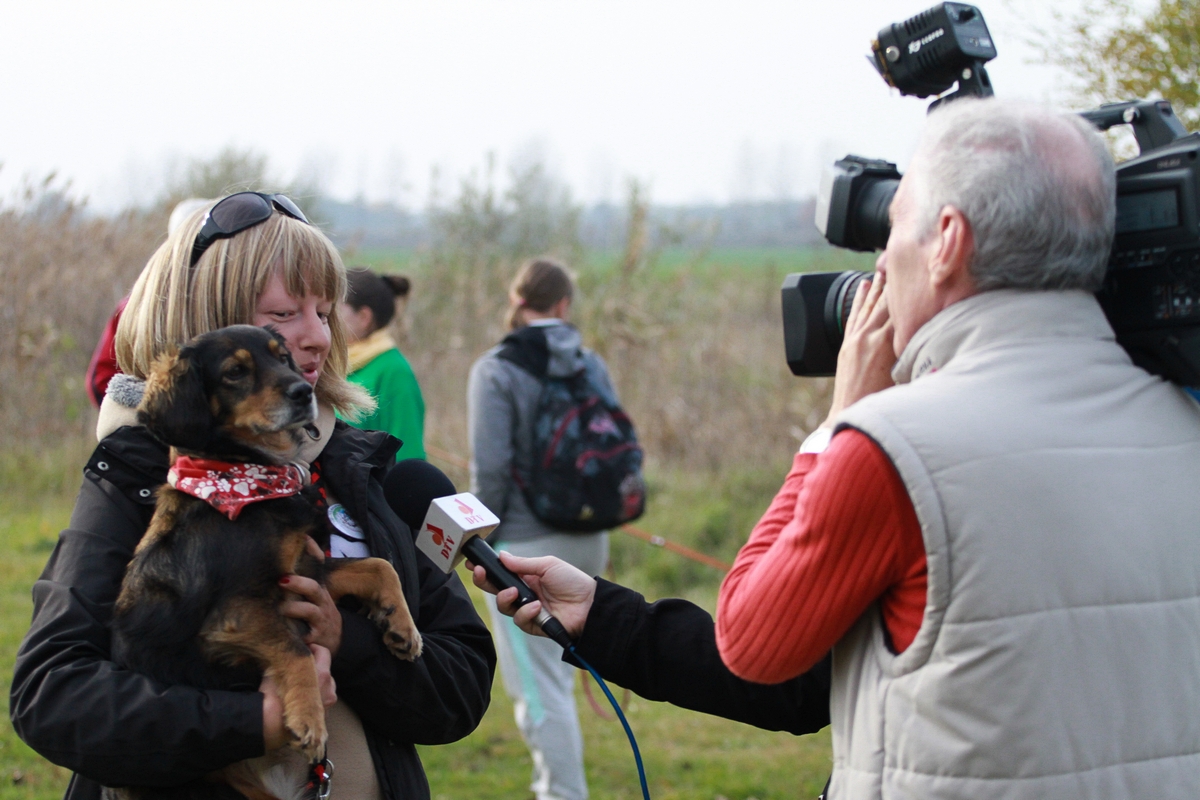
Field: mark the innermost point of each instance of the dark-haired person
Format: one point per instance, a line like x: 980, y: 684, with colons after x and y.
x: 502, y: 401
x: 377, y: 365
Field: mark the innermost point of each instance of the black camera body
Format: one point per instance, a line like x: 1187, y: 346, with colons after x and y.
x: 1151, y: 292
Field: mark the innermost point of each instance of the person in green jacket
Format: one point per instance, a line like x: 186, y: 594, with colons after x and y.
x: 377, y: 365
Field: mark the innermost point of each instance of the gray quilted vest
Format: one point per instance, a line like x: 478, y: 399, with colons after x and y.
x: 1058, y: 491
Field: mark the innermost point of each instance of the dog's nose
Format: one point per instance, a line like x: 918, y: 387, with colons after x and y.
x: 300, y: 393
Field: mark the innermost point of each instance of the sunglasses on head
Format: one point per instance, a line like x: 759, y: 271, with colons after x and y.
x: 238, y: 212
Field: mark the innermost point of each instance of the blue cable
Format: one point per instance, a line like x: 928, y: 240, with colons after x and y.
x: 637, y: 756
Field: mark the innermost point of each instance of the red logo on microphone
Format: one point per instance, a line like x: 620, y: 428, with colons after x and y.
x: 463, y: 507
x: 437, y: 533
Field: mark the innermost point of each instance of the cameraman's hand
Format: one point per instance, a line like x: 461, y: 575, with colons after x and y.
x: 866, y: 359
x: 567, y: 592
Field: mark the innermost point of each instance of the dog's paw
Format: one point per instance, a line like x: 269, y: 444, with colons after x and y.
x: 405, y: 647
x: 308, y: 735
x: 400, y: 635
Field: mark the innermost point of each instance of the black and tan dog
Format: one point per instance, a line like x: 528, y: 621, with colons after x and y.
x: 200, y: 601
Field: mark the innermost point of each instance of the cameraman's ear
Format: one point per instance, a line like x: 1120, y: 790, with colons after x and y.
x: 950, y: 265
x: 174, y: 407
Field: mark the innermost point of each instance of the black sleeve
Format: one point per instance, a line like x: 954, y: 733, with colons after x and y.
x: 439, y: 698
x: 75, y: 707
x: 668, y: 651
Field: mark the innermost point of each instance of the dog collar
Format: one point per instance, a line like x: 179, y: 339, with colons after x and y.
x: 229, y: 487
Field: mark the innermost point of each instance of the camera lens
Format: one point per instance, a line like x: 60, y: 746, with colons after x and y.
x: 838, y: 303
x: 853, y: 201
x: 816, y: 307
x: 872, y: 226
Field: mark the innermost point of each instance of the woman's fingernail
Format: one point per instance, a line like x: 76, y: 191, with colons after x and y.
x: 284, y: 579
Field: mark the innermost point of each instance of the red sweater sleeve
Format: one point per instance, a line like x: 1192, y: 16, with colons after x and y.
x: 104, y: 359
x: 840, y: 534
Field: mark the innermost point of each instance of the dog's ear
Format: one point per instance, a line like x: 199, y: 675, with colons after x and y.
x: 174, y: 407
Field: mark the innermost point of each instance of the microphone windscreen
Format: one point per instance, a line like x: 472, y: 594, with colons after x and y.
x: 411, y: 486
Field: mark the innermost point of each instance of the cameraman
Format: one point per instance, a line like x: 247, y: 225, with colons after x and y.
x: 1003, y: 548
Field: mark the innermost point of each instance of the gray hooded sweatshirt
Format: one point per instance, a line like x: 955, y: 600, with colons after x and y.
x: 501, y: 401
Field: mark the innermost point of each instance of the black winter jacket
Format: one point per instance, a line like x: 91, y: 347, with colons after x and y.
x: 668, y: 651
x: 71, y: 704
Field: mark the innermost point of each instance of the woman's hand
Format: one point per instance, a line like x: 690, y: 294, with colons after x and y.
x: 867, y: 356
x: 275, y: 734
x: 313, y: 605
x: 566, y: 591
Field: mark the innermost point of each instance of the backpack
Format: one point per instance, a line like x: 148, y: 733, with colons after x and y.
x: 587, y: 470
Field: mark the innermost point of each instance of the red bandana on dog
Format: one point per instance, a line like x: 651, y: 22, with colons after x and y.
x: 230, y: 487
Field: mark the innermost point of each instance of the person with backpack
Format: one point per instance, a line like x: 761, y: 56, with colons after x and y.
x: 556, y: 459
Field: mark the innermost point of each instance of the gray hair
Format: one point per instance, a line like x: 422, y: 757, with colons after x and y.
x: 1038, y: 187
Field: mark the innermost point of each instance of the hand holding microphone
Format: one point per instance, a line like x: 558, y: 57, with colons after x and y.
x: 450, y: 527
x: 566, y: 592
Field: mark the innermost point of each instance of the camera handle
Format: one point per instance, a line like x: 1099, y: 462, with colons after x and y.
x: 973, y: 82
x: 1153, y: 121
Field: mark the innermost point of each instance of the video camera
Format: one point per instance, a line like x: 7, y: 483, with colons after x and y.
x: 1151, y: 291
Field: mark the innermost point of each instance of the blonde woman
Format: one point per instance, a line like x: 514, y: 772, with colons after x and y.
x: 251, y: 258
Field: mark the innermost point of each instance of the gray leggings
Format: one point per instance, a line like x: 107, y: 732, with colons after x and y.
x: 541, y: 686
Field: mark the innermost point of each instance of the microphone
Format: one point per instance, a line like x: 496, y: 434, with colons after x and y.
x: 450, y: 526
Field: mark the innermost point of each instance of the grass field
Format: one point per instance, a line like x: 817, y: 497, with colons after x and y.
x: 29, y: 531
x: 668, y: 261
x: 686, y: 755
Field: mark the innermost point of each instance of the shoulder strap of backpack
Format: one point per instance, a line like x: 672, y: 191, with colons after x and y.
x: 527, y: 348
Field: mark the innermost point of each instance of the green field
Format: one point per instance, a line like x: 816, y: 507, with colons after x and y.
x: 668, y: 261
x: 686, y: 755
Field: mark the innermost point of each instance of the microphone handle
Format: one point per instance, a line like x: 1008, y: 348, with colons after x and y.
x: 481, y: 553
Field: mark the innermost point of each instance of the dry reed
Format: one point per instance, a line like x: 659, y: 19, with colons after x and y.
x: 696, y: 352
x: 63, y: 272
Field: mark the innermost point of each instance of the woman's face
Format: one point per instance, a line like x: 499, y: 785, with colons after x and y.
x: 302, y: 321
x: 359, y: 324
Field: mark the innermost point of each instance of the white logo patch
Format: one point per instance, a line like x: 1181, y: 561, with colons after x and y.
x: 917, y: 44
x: 341, y: 519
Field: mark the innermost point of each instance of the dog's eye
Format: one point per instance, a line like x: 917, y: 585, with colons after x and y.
x: 235, y: 373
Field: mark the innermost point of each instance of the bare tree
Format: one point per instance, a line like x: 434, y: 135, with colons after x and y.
x: 236, y: 170
x: 1120, y: 51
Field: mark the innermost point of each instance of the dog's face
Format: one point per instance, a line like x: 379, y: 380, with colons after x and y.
x: 232, y: 393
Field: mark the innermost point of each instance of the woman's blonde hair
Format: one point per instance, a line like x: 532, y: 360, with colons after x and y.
x: 172, y: 302
x: 538, y: 285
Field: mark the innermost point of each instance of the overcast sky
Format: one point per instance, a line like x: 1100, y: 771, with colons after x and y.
x: 704, y: 101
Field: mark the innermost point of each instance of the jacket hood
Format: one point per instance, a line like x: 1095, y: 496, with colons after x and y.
x: 566, y: 349
x: 552, y: 348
